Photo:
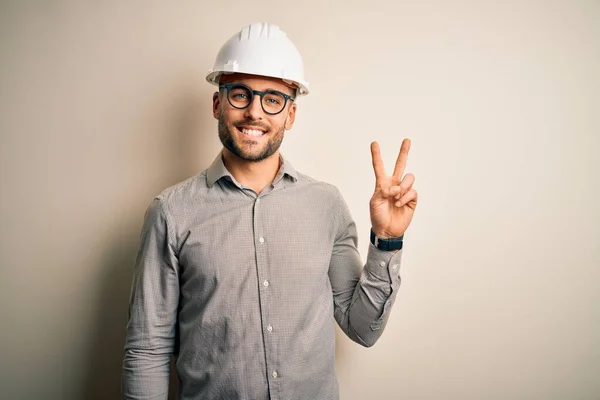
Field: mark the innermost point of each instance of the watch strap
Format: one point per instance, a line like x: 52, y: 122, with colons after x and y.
x: 387, y: 244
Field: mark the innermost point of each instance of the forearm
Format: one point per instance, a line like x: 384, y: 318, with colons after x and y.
x: 149, y: 345
x: 146, y: 374
x: 151, y: 337
x: 364, y: 314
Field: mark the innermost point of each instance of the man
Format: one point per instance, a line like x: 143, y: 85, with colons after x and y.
x: 242, y: 269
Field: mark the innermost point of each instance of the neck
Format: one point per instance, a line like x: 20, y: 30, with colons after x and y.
x: 255, y: 175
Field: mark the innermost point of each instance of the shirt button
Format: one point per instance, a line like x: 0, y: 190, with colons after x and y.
x: 274, y: 374
x: 270, y: 328
x: 266, y: 283
x: 382, y: 263
x: 261, y: 239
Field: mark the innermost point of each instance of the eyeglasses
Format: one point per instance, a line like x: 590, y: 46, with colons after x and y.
x: 241, y: 96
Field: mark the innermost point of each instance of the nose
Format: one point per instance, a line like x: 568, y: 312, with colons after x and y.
x: 254, y: 110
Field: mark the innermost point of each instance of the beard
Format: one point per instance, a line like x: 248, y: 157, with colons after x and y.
x: 248, y: 149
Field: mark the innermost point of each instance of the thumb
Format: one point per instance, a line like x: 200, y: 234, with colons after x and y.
x: 386, y: 192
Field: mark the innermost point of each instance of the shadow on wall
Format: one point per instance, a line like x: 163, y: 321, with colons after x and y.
x: 106, y: 350
x: 103, y: 380
x: 108, y: 330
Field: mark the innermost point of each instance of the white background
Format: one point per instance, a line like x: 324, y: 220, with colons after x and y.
x: 104, y: 105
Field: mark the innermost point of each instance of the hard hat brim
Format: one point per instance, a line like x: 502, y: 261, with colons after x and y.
x: 213, y: 77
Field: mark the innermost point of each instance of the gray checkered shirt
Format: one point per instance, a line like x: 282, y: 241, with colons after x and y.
x: 243, y: 288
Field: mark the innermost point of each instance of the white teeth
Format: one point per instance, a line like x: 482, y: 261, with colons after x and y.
x: 252, y: 132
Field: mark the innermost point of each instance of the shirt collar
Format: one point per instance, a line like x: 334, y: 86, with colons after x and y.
x: 217, y: 170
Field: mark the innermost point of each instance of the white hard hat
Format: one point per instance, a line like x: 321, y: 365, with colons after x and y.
x: 261, y: 49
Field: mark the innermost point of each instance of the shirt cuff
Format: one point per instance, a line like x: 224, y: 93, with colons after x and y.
x: 385, y: 265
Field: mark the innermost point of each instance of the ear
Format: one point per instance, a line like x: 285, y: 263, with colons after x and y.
x: 291, y: 117
x: 216, y: 105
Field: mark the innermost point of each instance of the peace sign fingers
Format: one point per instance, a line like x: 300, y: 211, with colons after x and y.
x: 378, y: 166
x: 401, y: 160
x: 394, y: 200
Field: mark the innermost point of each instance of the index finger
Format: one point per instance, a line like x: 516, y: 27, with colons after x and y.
x: 402, y: 157
x: 377, y: 161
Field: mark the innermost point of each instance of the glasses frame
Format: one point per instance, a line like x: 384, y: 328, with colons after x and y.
x: 253, y: 93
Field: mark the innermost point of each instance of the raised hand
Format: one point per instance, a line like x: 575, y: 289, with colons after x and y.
x: 393, y: 204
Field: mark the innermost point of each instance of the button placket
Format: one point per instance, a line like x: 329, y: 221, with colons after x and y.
x: 265, y: 294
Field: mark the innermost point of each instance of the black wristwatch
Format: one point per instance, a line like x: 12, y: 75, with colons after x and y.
x: 387, y: 244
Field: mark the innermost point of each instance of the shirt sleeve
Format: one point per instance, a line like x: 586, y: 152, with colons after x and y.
x: 151, y: 329
x: 362, y: 296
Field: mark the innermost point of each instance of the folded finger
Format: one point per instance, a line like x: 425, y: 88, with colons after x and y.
x: 410, y: 196
x: 407, y: 182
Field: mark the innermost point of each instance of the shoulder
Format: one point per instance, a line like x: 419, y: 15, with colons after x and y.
x: 324, y: 190
x: 326, y: 196
x: 182, y: 195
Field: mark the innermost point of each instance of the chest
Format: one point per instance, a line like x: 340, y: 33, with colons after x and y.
x: 285, y: 237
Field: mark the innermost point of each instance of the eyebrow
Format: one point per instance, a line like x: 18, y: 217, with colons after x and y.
x: 265, y: 90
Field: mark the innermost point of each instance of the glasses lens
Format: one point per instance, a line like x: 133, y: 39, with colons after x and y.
x: 239, y: 96
x: 273, y: 102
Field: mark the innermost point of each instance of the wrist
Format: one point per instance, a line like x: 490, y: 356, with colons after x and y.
x: 385, y: 235
x: 386, y: 243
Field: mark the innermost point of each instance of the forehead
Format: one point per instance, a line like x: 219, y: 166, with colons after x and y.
x: 257, y: 82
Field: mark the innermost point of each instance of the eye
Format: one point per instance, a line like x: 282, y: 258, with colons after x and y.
x: 239, y: 94
x: 274, y: 99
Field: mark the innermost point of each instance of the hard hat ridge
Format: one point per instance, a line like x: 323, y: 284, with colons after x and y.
x: 259, y: 30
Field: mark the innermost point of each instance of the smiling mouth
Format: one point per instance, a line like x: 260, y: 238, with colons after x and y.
x: 252, y: 132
